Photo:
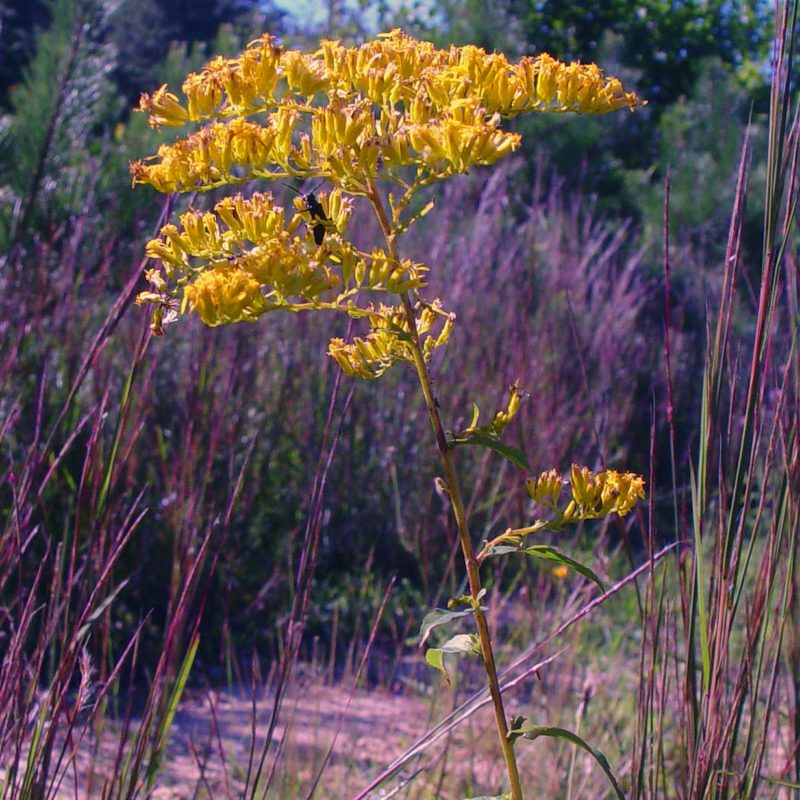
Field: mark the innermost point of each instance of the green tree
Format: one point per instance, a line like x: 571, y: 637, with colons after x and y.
x: 18, y: 21
x: 64, y: 93
x: 661, y: 47
x: 665, y: 41
x: 143, y: 30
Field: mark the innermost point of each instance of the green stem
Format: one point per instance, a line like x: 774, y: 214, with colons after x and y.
x: 459, y: 511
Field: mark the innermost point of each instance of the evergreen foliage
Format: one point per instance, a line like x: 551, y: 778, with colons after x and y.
x: 64, y: 94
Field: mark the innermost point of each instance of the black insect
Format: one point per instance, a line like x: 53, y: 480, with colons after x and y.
x: 314, y: 207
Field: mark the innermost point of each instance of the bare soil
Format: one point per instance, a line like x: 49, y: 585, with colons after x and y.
x: 211, y: 737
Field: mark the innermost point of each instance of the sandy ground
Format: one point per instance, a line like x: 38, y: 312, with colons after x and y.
x: 210, y: 742
x: 209, y: 746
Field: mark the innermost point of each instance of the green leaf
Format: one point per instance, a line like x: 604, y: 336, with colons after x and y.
x: 435, y: 658
x: 473, y: 423
x: 514, y: 730
x: 439, y: 616
x: 165, y: 723
x: 535, y: 731
x: 551, y: 554
x: 461, y: 643
x: 512, y: 454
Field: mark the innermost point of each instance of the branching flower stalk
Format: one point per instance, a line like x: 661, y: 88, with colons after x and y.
x: 382, y: 122
x: 459, y: 512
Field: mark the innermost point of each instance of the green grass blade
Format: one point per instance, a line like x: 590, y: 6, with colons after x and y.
x: 162, y: 736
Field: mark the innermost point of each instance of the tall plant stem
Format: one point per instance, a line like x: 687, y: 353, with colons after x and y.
x: 459, y: 511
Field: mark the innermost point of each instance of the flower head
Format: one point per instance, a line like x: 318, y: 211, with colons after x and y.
x: 391, y: 102
x: 604, y: 493
x: 546, y: 489
x: 387, y: 340
x: 593, y: 495
x: 394, y: 112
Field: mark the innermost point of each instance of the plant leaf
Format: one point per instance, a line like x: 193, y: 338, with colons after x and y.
x: 550, y: 553
x: 461, y: 643
x: 473, y: 423
x: 535, y: 731
x: 439, y: 616
x: 435, y: 658
x: 165, y: 723
x: 404, y: 226
x: 512, y: 454
x: 515, y: 728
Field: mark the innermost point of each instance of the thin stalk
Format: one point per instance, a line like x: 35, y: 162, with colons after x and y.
x: 457, y: 503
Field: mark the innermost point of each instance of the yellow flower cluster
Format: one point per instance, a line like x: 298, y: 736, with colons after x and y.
x: 389, y: 103
x: 388, y: 340
x: 593, y: 495
x: 243, y: 259
x: 221, y: 154
x: 546, y: 489
x: 392, y: 111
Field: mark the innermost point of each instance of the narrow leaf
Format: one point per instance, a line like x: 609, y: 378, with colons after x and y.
x: 475, y: 414
x: 512, y: 454
x: 535, y: 731
x: 403, y: 227
x: 551, y: 554
x: 162, y: 735
x: 439, y: 616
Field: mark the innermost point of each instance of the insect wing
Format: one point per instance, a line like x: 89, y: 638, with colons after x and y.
x: 317, y: 212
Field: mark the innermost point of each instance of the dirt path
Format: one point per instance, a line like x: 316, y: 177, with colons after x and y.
x: 209, y: 746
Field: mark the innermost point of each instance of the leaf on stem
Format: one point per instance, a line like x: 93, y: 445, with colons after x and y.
x: 98, y: 612
x: 551, y: 554
x: 467, y: 643
x: 439, y: 616
x: 535, y: 731
x: 404, y: 226
x: 512, y: 454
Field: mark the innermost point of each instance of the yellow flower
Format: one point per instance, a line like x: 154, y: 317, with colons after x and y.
x: 593, y: 495
x: 621, y: 490
x: 204, y: 90
x: 546, y: 489
x: 388, y: 103
x: 503, y: 418
x: 608, y: 492
x: 395, y: 113
x: 386, y: 342
x: 163, y: 108
x: 225, y: 294
x: 252, y: 219
x: 304, y: 74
